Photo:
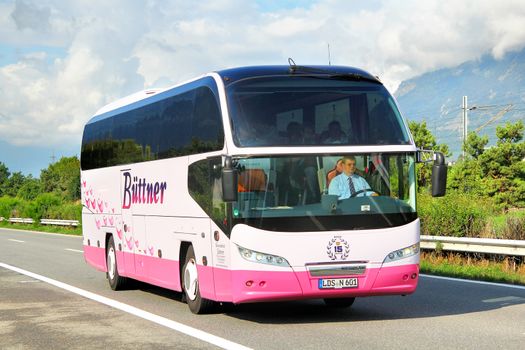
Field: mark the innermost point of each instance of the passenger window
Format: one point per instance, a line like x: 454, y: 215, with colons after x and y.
x: 206, y: 126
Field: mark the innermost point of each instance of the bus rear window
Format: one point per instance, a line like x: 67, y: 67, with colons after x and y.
x: 299, y: 110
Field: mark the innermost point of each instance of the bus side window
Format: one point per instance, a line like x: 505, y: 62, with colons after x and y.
x: 206, y: 127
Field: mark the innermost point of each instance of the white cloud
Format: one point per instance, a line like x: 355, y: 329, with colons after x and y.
x: 115, y: 48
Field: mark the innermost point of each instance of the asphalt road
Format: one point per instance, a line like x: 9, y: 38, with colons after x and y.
x: 442, y: 314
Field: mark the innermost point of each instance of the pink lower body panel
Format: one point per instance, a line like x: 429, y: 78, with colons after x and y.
x: 96, y: 257
x: 242, y: 286
x: 160, y: 272
x: 253, y: 286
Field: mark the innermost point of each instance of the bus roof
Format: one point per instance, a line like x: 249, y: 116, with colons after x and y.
x: 232, y: 75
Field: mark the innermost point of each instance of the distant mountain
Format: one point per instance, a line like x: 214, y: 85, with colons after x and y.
x: 495, y: 90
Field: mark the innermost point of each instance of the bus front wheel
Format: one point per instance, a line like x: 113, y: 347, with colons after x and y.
x: 339, y: 302
x: 116, y: 282
x: 190, y: 285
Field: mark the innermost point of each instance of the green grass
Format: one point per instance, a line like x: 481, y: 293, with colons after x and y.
x: 77, y: 231
x: 462, y: 267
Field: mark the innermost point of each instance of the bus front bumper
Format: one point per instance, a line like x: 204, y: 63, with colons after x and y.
x: 255, y: 286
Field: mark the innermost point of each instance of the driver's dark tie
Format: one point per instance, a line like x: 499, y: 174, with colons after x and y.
x: 351, y: 185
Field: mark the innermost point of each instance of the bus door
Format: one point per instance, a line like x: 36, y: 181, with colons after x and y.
x: 221, y: 261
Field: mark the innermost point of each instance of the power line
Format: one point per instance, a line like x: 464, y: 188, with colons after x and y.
x: 495, y: 117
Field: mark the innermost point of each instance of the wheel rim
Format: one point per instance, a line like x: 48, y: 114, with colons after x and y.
x: 191, y: 279
x: 111, y: 263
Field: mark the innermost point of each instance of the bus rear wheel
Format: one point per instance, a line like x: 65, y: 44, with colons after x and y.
x: 339, y: 302
x: 190, y: 285
x: 116, y: 282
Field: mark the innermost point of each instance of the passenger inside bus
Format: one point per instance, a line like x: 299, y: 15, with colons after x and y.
x: 338, y: 169
x: 334, y: 134
x: 294, y: 134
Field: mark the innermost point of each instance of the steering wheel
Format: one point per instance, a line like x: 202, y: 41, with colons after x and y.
x: 364, y: 191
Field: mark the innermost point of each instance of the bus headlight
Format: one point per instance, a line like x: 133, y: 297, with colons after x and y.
x: 262, y: 258
x: 402, y: 253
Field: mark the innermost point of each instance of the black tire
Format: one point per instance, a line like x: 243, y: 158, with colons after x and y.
x: 116, y: 282
x: 339, y: 302
x: 190, y: 286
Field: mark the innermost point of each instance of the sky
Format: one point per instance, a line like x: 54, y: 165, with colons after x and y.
x: 61, y: 61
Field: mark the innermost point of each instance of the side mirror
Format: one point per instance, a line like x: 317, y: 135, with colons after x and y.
x: 439, y: 175
x: 229, y: 181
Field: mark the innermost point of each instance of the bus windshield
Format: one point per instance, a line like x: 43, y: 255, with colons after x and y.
x: 314, y: 192
x: 302, y: 110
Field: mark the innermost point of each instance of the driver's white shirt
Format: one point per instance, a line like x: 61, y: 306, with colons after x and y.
x: 339, y: 185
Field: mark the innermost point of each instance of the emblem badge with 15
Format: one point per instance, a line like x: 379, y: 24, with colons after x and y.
x: 337, y: 248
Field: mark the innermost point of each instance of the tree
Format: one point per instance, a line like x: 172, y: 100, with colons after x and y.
x: 466, y: 176
x: 424, y: 138
x: 13, y: 184
x: 510, y: 133
x: 62, y: 178
x: 475, y: 145
x: 30, y: 189
x: 503, y: 166
x: 4, y: 176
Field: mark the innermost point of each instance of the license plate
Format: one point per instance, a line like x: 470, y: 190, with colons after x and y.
x: 337, y: 283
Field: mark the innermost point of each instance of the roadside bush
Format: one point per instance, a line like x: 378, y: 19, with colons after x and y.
x: 42, y: 204
x: 68, y: 211
x: 456, y: 214
x: 514, y: 228
x: 47, y: 205
x: 12, y: 207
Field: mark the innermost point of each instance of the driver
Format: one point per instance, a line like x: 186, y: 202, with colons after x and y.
x: 348, y: 183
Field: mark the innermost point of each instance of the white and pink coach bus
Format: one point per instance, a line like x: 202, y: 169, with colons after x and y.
x: 220, y: 188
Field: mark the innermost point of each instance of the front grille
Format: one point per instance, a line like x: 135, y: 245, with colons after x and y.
x: 336, y: 270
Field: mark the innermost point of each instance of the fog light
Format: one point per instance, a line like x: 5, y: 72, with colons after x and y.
x: 414, y: 275
x: 405, y: 277
x: 262, y: 284
x: 249, y: 283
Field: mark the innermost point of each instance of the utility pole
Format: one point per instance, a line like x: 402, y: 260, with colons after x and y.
x: 465, y: 123
x: 329, y: 58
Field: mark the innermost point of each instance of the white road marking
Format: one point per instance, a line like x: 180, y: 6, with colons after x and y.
x: 74, y: 250
x: 472, y: 281
x: 503, y: 299
x: 15, y: 240
x: 182, y: 328
x: 32, y: 281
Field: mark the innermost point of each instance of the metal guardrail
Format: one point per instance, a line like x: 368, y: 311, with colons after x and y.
x: 474, y: 245
x: 20, y: 220
x: 44, y: 221
x: 59, y: 222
